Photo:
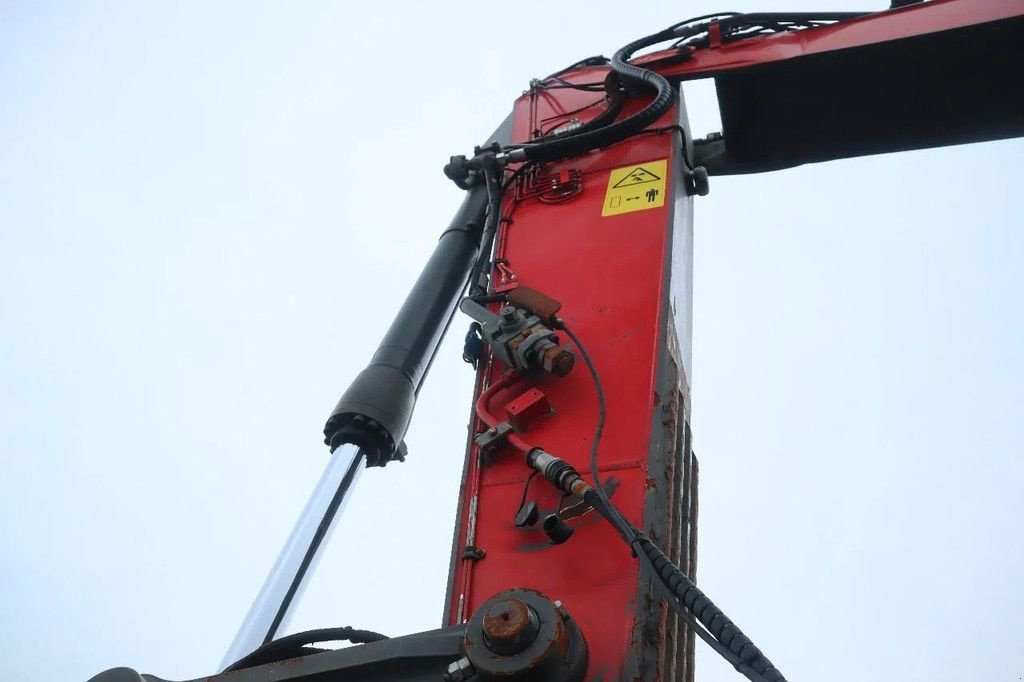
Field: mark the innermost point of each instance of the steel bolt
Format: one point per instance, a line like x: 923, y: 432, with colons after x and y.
x: 563, y: 364
x: 558, y: 361
x: 459, y: 671
x: 510, y: 626
x: 508, y: 315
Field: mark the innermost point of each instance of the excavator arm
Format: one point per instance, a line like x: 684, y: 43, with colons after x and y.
x: 574, y: 551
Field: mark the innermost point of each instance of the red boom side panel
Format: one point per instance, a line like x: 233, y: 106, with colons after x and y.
x: 611, y: 275
x: 612, y: 270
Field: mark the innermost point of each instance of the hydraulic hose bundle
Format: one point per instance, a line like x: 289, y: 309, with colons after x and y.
x: 602, y: 130
x: 614, y: 96
x: 605, y: 133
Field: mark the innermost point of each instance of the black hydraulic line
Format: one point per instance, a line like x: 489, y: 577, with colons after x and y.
x: 564, y: 84
x: 596, y: 60
x: 492, y: 179
x: 601, y: 131
x: 684, y: 596
x: 488, y: 298
x: 581, y: 143
x: 736, y: 26
x: 769, y: 18
x: 746, y: 657
x: 292, y: 646
x: 374, y: 412
x: 595, y: 442
x: 721, y: 633
x: 692, y: 27
x: 614, y: 96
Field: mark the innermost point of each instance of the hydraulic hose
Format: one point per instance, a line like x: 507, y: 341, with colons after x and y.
x: 746, y: 653
x: 292, y: 646
x: 582, y: 142
x: 495, y: 193
x: 615, y: 98
x: 718, y: 631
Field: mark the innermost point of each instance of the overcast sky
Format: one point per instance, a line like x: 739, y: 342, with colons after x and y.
x: 209, y: 213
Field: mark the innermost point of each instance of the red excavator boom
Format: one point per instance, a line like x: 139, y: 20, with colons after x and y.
x: 575, y: 548
x: 610, y: 235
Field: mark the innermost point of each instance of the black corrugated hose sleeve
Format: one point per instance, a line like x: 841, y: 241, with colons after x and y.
x: 583, y: 142
x: 746, y: 653
x: 717, y: 623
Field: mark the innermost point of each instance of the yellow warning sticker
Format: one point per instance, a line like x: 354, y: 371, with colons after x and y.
x: 635, y: 188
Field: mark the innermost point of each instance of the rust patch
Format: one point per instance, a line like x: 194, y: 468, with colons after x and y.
x: 508, y: 622
x: 541, y: 305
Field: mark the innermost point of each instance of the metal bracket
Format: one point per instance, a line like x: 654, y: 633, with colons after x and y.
x: 492, y: 437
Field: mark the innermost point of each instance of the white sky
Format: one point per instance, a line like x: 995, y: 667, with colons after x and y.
x: 209, y: 213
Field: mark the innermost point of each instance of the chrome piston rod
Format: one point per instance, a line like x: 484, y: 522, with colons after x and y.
x: 283, y: 588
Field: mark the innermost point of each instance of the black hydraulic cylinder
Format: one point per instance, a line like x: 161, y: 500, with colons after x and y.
x: 374, y: 412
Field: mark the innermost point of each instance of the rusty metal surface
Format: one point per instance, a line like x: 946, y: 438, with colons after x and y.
x: 558, y: 361
x: 510, y: 626
x: 541, y: 305
x: 521, y: 635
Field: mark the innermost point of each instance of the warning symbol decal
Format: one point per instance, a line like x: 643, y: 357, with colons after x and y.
x: 635, y: 177
x: 635, y: 188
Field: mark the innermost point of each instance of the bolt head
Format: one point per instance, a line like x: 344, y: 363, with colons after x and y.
x: 558, y: 361
x: 459, y: 670
x: 510, y: 626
